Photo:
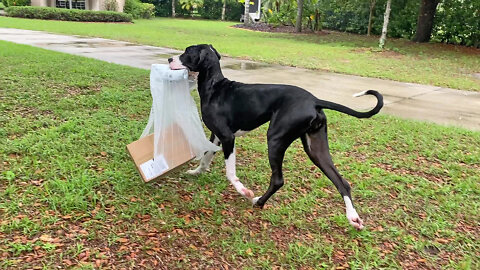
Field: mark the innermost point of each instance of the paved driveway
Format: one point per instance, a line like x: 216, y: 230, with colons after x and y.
x: 408, y: 100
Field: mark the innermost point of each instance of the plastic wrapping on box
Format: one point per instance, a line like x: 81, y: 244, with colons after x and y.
x: 174, y: 108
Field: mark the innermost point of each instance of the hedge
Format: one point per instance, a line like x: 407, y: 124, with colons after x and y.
x: 139, y: 10
x: 47, y: 13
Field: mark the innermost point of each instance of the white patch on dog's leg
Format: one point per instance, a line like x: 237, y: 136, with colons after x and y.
x: 205, y: 161
x: 352, y: 214
x: 255, y: 200
x: 240, y: 133
x: 309, y: 141
x: 232, y: 177
x: 204, y: 164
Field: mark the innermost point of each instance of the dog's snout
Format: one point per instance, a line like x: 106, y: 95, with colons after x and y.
x: 170, y: 60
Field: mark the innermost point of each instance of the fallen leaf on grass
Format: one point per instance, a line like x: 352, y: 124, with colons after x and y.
x: 122, y: 240
x: 46, y: 238
x: 443, y: 240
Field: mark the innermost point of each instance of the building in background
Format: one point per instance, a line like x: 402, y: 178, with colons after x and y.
x: 82, y: 4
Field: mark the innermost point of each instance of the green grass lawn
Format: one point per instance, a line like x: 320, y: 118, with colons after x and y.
x: 435, y: 64
x: 71, y: 196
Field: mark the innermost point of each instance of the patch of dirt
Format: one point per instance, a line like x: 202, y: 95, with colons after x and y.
x: 264, y: 27
x: 390, y: 54
x: 75, y: 91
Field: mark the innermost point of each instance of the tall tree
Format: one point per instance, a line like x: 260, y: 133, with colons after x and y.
x: 298, y: 23
x: 173, y: 8
x: 370, y: 17
x: 386, y: 17
x: 223, y: 9
x: 246, y: 16
x: 428, y: 8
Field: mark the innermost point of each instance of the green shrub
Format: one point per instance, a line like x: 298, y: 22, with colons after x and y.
x: 212, y: 9
x: 2, y: 5
x: 138, y: 9
x: 457, y: 22
x: 11, y: 3
x: 61, y: 14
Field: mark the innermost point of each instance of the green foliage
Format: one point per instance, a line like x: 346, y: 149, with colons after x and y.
x: 19, y: 3
x: 47, y: 13
x: 139, y: 10
x: 455, y: 23
x: 3, y: 4
x: 212, y: 9
x: 280, y: 12
x: 191, y: 5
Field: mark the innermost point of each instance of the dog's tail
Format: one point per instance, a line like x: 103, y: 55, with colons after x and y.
x: 322, y: 104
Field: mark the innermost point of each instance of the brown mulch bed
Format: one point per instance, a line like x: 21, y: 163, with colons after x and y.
x: 264, y: 27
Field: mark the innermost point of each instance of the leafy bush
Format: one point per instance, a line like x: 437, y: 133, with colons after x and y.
x: 2, y: 5
x: 11, y: 3
x: 47, y: 13
x: 212, y: 9
x: 457, y: 22
x: 281, y: 14
x: 138, y: 9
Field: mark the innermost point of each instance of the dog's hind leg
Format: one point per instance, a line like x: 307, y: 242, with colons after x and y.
x: 206, y: 159
x: 315, y: 144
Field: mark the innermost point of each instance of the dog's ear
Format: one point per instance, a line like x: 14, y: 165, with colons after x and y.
x: 203, y: 54
x: 215, y: 51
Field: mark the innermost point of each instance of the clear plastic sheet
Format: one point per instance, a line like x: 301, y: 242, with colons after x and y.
x: 174, y: 108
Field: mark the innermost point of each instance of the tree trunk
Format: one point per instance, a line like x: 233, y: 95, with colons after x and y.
x: 246, y: 19
x: 426, y: 14
x: 298, y: 23
x: 223, y: 9
x: 173, y: 8
x: 370, y: 17
x: 386, y: 17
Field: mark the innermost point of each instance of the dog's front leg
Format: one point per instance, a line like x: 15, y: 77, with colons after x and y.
x: 206, y: 159
x: 230, y: 159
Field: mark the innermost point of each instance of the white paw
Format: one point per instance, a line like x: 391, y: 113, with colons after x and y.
x: 355, y: 221
x: 194, y: 172
x: 255, y: 200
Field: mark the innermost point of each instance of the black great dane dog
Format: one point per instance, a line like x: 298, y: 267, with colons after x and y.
x: 230, y: 109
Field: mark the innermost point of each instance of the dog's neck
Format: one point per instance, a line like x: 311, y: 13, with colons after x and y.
x: 207, y: 78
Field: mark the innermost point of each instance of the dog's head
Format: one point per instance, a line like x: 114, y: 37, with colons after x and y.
x: 195, y: 58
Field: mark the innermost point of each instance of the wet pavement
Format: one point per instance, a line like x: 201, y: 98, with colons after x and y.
x: 407, y: 100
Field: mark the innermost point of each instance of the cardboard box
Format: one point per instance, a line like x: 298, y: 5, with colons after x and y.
x: 176, y: 154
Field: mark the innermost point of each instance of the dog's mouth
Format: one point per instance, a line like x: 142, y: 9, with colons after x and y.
x: 175, y: 63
